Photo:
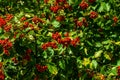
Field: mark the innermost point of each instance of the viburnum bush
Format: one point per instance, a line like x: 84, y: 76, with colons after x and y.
x: 60, y: 39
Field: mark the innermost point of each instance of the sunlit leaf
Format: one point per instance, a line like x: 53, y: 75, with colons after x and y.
x: 56, y: 24
x: 98, y: 53
x: 52, y: 69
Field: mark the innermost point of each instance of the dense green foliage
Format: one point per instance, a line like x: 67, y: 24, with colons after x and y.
x: 59, y: 39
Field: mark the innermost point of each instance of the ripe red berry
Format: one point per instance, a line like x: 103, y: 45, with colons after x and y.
x: 2, y: 76
x: 2, y: 22
x: 49, y: 44
x: 7, y: 27
x: 25, y: 25
x: 55, y: 8
x: 85, y: 23
x: 60, y: 18
x: 79, y: 23
x: 56, y: 36
x: 115, y: 19
x: 8, y: 17
x: 83, y: 5
x: 14, y: 60
x: 118, y: 70
x: 23, y: 18
x: 41, y: 68
x: 1, y: 64
x: 93, y: 15
x: 75, y: 41
x: 66, y: 34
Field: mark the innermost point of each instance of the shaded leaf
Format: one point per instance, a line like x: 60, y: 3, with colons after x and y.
x: 94, y: 64
x: 62, y: 64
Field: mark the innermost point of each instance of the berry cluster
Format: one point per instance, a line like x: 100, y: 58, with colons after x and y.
x: 41, y: 68
x: 26, y: 24
x: 83, y: 5
x: 7, y: 27
x: 36, y: 19
x: 49, y: 44
x: 2, y: 76
x: 8, y: 17
x: 27, y: 55
x: 115, y: 19
x: 60, y: 4
x: 75, y: 41
x: 65, y: 41
x: 60, y: 18
x: 56, y: 36
x: 14, y: 59
x: 80, y: 23
x: 2, y: 22
x: 23, y: 18
x: 118, y: 70
x: 93, y: 15
x: 6, y: 44
x: 55, y: 8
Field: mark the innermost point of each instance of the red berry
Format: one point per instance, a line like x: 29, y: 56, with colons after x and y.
x: 115, y: 19
x: 93, y: 15
x: 83, y: 5
x: 60, y: 18
x: 79, y: 23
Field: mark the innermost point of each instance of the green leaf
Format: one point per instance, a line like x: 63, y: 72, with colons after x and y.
x: 79, y: 62
x: 107, y: 7
x: 0, y: 59
x: 106, y: 42
x: 89, y: 43
x: 101, y: 9
x: 118, y: 63
x: 98, y: 44
x: 50, y: 52
x: 62, y: 64
x: 45, y: 54
x: 56, y: 24
x: 70, y: 2
x: 94, y: 64
x: 113, y: 71
x: 61, y: 50
x: 52, y: 68
x: 104, y: 7
x: 102, y: 69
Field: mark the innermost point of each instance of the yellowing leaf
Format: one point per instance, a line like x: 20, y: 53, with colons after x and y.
x: 85, y: 50
x: 107, y: 55
x: 86, y: 61
x: 117, y: 43
x: 98, y: 53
